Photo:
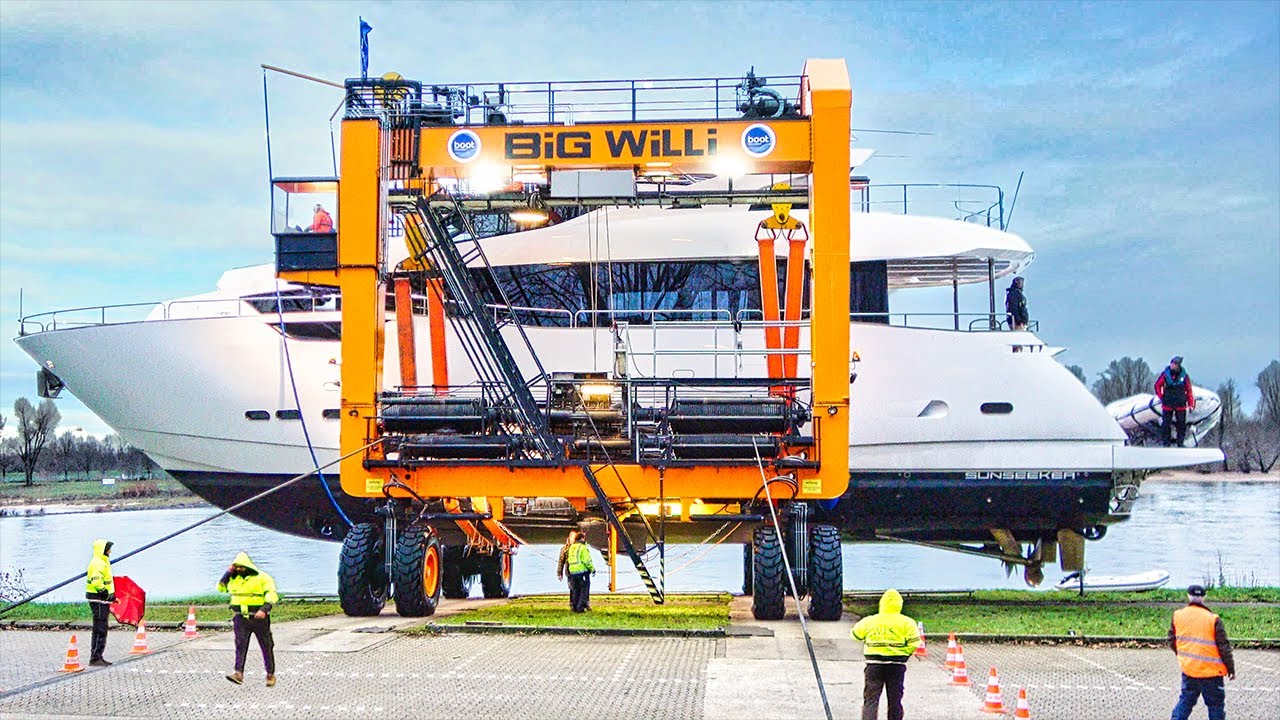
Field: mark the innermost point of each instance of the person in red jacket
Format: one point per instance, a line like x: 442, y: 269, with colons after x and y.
x: 1173, y: 387
x: 320, y: 221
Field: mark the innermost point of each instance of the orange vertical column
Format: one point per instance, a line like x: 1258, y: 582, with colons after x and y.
x: 404, y: 334
x: 435, y: 326
x: 795, y: 300
x: 769, y: 303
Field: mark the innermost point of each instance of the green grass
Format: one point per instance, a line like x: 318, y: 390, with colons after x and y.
x: 1090, y: 617
x: 1171, y: 595
x: 208, y: 607
x: 55, y: 489
x: 681, y: 612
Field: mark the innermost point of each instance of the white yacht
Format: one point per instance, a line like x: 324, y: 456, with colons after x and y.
x: 953, y: 416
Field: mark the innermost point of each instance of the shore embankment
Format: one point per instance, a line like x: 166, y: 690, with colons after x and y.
x: 1192, y: 475
x: 51, y: 496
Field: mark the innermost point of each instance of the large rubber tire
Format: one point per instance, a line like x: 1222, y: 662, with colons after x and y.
x: 495, y: 575
x: 416, y: 571
x: 456, y: 577
x: 362, y: 582
x: 747, y: 570
x: 769, y: 576
x: 826, y: 573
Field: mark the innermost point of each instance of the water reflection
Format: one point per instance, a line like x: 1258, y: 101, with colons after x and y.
x: 1184, y: 528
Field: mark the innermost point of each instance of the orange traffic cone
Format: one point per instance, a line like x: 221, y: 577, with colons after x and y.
x: 960, y: 675
x: 72, y: 663
x: 189, y: 628
x: 995, y: 701
x: 140, y: 640
x: 951, y: 652
x: 1023, y: 710
x: 920, y: 649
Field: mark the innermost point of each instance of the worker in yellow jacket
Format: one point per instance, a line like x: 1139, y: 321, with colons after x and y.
x: 888, y: 640
x: 253, y: 593
x: 100, y: 591
x: 580, y: 571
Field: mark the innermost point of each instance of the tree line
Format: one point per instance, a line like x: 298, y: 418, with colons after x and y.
x: 1250, y: 441
x: 36, y: 447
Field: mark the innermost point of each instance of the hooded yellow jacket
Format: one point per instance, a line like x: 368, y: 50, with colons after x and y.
x: 98, y: 580
x: 251, y: 591
x: 888, y: 636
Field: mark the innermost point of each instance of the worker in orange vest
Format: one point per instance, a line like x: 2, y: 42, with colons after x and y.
x: 321, y: 221
x: 1199, y: 638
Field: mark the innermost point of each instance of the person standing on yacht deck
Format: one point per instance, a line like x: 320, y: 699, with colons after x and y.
x: 1173, y: 387
x: 1015, y: 304
x: 321, y: 221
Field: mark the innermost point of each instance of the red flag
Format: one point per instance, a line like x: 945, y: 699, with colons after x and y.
x: 131, y: 601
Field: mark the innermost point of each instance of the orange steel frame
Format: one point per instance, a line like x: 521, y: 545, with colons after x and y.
x: 817, y: 143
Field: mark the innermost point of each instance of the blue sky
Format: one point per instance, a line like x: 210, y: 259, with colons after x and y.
x: 132, y: 163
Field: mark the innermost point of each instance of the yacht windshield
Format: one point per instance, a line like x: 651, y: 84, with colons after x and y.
x: 665, y: 290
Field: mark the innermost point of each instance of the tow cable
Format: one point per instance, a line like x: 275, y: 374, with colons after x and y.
x: 194, y: 525
x: 777, y: 528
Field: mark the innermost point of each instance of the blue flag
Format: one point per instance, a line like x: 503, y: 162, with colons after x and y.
x: 365, y: 29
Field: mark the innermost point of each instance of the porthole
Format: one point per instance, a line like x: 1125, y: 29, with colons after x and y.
x: 257, y: 415
x: 996, y: 408
x: 331, y: 414
x: 288, y: 415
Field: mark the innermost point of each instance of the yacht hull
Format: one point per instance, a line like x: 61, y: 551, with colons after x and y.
x: 936, y: 507
x: 209, y: 399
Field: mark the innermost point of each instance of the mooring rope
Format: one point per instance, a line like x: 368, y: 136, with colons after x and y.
x: 194, y: 525
x: 777, y: 528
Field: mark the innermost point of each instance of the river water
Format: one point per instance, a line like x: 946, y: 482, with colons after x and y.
x: 1197, y: 531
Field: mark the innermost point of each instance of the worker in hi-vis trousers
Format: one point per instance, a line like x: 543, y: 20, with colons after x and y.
x: 888, y: 640
x: 580, y: 570
x: 100, y: 591
x: 253, y: 593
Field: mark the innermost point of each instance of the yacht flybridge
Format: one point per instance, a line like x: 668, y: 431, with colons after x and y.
x: 550, y: 307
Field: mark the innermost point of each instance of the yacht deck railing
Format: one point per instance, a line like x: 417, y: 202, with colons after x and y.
x: 95, y: 315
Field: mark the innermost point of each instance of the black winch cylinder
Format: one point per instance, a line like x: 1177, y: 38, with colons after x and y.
x: 427, y: 415
x: 748, y: 415
x: 723, y: 447
x: 455, y: 447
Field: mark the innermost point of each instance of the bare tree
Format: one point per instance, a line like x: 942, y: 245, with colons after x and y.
x: 1079, y: 373
x: 1261, y: 445
x: 1231, y: 411
x: 8, y: 456
x: 89, y: 455
x: 35, y: 426
x: 1269, y: 404
x: 1122, y: 378
x: 1230, y: 397
x: 64, y: 449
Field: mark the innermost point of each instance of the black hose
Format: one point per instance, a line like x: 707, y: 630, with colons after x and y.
x: 192, y: 526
